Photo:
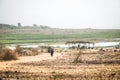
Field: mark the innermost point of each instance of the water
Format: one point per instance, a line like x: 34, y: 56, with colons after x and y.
x: 12, y: 46
x: 99, y: 44
x: 106, y: 44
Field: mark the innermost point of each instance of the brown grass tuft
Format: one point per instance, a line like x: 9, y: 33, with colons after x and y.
x: 8, y: 54
x: 34, y: 51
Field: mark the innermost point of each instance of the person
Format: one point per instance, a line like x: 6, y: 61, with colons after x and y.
x: 51, y: 51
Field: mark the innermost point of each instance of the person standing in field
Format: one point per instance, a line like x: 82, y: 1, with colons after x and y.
x: 51, y: 51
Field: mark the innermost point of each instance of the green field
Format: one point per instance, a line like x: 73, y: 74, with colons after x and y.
x: 38, y: 38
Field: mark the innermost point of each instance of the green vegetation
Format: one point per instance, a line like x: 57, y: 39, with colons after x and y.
x: 19, y: 26
x: 7, y: 26
x: 38, y: 38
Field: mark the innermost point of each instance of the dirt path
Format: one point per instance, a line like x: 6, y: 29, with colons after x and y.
x: 43, y: 56
x: 25, y: 59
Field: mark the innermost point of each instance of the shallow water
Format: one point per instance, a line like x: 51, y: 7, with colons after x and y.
x: 105, y: 44
x: 99, y: 44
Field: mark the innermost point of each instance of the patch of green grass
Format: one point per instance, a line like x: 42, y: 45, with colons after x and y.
x: 29, y: 38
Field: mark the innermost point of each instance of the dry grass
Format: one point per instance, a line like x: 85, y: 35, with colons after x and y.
x: 60, y: 76
x: 8, y: 54
x: 35, y: 51
x: 26, y: 51
x: 18, y: 49
x: 97, y: 57
x: 61, y: 67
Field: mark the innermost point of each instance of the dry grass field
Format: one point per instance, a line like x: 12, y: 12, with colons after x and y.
x: 91, y: 64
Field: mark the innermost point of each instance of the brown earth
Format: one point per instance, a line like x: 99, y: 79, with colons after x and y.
x: 58, y: 67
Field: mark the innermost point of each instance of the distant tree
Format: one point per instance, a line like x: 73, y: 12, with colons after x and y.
x: 44, y: 27
x: 19, y: 24
x: 13, y: 26
x: 1, y: 26
x: 7, y: 26
x: 34, y: 25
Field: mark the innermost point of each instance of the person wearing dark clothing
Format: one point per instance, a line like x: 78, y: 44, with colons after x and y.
x: 51, y: 51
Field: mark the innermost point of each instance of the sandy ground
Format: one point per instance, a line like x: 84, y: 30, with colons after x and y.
x: 27, y: 59
x: 58, y: 67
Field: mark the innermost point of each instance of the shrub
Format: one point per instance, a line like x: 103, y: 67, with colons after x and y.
x: 72, y: 47
x: 34, y: 51
x: 44, y: 48
x: 8, y: 54
x: 77, y: 57
x: 30, y: 52
x: 83, y: 47
x: 18, y: 49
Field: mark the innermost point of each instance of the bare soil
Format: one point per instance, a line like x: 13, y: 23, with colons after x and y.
x: 59, y: 67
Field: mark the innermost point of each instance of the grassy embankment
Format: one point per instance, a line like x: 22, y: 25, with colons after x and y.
x: 38, y: 38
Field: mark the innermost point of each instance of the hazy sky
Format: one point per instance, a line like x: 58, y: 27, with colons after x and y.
x: 62, y: 13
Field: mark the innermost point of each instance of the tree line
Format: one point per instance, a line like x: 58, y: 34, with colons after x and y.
x: 19, y: 26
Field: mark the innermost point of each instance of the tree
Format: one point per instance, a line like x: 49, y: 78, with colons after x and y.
x: 44, y: 27
x: 34, y: 25
x: 19, y: 24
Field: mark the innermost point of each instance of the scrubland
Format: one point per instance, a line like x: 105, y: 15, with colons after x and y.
x: 67, y: 64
